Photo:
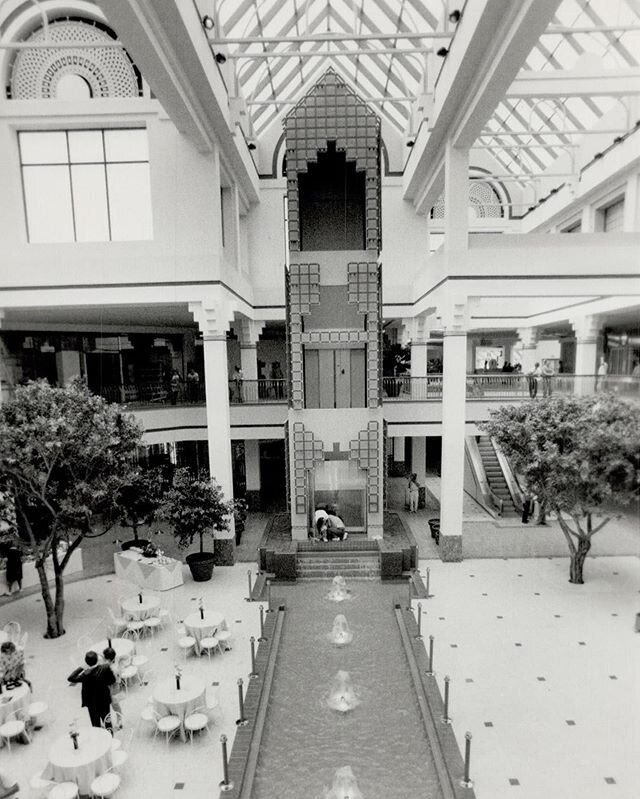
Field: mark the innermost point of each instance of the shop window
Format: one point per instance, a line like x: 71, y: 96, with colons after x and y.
x: 86, y: 185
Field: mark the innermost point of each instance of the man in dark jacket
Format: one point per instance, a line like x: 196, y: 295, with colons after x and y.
x: 96, y: 683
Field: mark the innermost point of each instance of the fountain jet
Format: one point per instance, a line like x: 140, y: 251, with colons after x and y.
x: 342, y: 696
x: 345, y: 785
x: 340, y: 634
x: 339, y: 591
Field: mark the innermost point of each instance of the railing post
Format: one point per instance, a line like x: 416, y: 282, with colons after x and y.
x: 225, y: 785
x: 242, y: 720
x: 248, y: 598
x: 262, y: 635
x: 419, y: 635
x: 466, y: 781
x: 445, y: 717
x: 430, y: 672
x: 254, y: 673
x: 269, y: 609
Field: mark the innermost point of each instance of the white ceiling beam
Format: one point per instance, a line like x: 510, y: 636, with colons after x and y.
x: 570, y: 83
x: 167, y: 42
x: 492, y: 40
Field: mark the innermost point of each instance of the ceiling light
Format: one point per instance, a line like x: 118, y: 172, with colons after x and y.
x: 207, y: 22
x: 454, y: 16
x: 221, y: 58
x: 442, y: 52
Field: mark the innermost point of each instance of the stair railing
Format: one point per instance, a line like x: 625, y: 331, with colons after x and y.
x: 509, y: 477
x: 490, y: 499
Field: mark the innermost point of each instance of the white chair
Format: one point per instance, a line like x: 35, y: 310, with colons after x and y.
x: 165, y: 617
x: 128, y: 672
x: 208, y: 645
x: 113, y: 721
x: 106, y: 784
x: 41, y: 786
x: 168, y: 725
x: 14, y: 727
x: 212, y: 702
x: 186, y: 643
x: 22, y: 643
x: 196, y: 722
x: 224, y: 638
x: 36, y: 710
x: 64, y: 790
x: 120, y: 755
x: 134, y: 629
x: 152, y: 624
x: 13, y: 631
x: 118, y: 623
x: 148, y: 717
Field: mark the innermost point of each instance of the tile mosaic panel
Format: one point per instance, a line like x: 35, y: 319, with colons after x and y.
x: 366, y: 451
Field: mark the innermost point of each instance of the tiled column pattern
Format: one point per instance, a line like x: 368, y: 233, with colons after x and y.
x: 366, y: 451
x: 365, y: 290
x: 303, y: 291
x: 307, y: 450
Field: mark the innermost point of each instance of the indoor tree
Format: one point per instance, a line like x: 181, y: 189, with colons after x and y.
x: 64, y: 454
x: 139, y: 498
x: 578, y: 455
x: 195, y: 507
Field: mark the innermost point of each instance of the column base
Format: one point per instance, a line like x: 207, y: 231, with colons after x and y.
x: 451, y: 548
x: 225, y: 551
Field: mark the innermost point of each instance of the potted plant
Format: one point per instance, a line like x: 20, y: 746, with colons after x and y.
x: 137, y: 502
x: 239, y: 517
x: 196, y: 507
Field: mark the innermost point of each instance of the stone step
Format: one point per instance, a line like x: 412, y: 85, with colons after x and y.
x: 337, y: 567
x: 328, y: 577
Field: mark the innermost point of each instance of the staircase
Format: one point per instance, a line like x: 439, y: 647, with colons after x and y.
x: 351, y: 564
x: 495, y: 477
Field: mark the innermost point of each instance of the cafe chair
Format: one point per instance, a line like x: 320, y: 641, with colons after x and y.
x: 13, y: 631
x: 22, y: 642
x: 208, y: 645
x: 120, y: 756
x: 168, y: 725
x: 152, y: 624
x: 212, y: 702
x: 186, y: 643
x: 114, y: 722
x: 64, y: 790
x: 106, y: 784
x: 196, y: 722
x: 15, y: 727
x: 118, y: 624
x: 224, y: 638
x: 40, y: 786
x: 128, y: 672
x: 134, y: 629
x: 36, y: 710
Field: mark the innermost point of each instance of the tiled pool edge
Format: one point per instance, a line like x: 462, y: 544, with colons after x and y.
x: 440, y: 736
x: 246, y: 744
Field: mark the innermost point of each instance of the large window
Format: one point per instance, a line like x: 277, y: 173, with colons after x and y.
x: 86, y: 185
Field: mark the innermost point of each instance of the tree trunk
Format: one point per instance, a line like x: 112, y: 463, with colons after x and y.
x: 52, y: 616
x: 58, y: 571
x: 578, y: 557
x: 135, y: 531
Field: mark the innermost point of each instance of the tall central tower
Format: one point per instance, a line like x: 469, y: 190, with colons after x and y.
x: 334, y: 309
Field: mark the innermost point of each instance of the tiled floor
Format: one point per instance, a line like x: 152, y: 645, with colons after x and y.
x: 527, y: 654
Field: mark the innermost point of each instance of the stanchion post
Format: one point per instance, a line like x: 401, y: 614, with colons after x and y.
x: 445, y: 717
x: 262, y: 635
x: 241, y: 721
x: 466, y: 781
x: 410, y: 584
x: 431, y: 671
x: 254, y: 673
x: 428, y: 578
x: 248, y: 598
x: 419, y: 635
x: 226, y: 784
x: 269, y: 610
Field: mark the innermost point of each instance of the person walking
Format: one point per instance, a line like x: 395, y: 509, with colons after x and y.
x: 601, y: 380
x: 96, y: 681
x: 534, y: 379
x: 14, y: 570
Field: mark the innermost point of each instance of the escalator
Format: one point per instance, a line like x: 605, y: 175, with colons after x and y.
x: 501, y: 484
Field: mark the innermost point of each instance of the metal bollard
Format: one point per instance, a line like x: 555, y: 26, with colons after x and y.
x: 269, y: 610
x: 419, y: 635
x: 241, y: 721
x: 445, y: 718
x: 431, y: 671
x: 466, y: 781
x: 225, y: 785
x: 262, y: 635
x: 248, y: 598
x: 410, y: 593
x: 427, y: 586
x: 254, y: 673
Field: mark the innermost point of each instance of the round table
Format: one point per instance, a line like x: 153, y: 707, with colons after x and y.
x: 14, y: 700
x: 204, y: 628
x: 134, y: 610
x: 82, y: 765
x: 124, y: 648
x: 167, y: 700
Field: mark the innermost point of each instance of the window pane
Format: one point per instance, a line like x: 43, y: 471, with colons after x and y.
x: 48, y: 203
x: 85, y: 146
x: 90, y: 202
x: 129, y: 202
x: 126, y: 145
x: 43, y: 147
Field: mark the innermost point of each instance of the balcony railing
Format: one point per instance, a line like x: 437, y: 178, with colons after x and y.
x: 241, y: 391
x: 509, y: 386
x: 151, y: 394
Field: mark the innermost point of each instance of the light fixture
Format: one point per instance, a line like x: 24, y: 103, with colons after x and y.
x: 207, y: 22
x: 221, y: 58
x: 454, y: 16
x: 442, y: 52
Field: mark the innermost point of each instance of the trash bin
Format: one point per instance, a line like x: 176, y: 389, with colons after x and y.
x: 434, y: 526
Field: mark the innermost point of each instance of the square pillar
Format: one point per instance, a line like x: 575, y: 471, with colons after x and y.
x: 456, y: 198
x: 587, y: 329
x: 453, y: 429
x: 419, y: 457
x: 252, y: 472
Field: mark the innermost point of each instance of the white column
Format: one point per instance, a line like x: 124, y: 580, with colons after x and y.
x: 631, y: 222
x: 419, y: 457
x: 68, y: 366
x: 398, y: 448
x: 252, y: 470
x: 453, y: 429
x: 529, y: 338
x: 456, y: 198
x: 586, y: 330
x: 418, y: 358
x: 214, y: 316
x: 249, y: 361
x: 248, y: 332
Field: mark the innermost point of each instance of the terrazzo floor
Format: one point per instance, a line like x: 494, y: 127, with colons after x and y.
x: 543, y: 673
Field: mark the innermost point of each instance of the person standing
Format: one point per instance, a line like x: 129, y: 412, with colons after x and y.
x: 238, y: 377
x: 14, y: 570
x: 96, y: 681
x: 534, y: 379
x: 601, y: 380
x: 527, y: 508
x: 414, y: 493
x: 320, y: 523
x: 546, y: 373
x: 174, y: 386
x: 276, y: 379
x: 193, y: 384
